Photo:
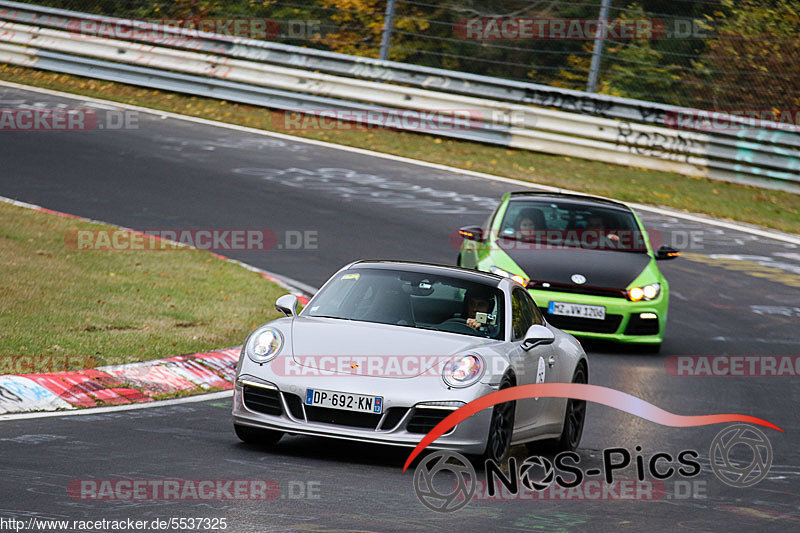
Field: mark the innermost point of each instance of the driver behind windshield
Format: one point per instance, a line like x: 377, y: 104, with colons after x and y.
x: 479, y: 307
x: 596, y: 223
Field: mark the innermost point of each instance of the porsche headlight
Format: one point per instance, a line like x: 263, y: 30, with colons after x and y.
x: 648, y: 292
x: 516, y: 277
x: 463, y: 371
x: 264, y: 344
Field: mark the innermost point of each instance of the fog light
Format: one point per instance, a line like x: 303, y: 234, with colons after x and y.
x: 648, y: 316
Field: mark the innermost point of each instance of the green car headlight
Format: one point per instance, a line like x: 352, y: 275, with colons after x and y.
x: 647, y: 292
x: 264, y: 344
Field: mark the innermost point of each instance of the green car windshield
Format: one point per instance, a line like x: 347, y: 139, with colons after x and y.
x: 572, y: 224
x: 412, y: 299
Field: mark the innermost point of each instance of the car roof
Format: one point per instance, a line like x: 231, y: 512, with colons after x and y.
x: 432, y: 269
x: 576, y: 199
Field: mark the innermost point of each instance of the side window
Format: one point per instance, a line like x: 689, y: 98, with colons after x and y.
x: 537, y: 318
x: 524, y: 313
x: 518, y: 313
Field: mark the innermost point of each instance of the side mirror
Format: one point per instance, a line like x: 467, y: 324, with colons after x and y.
x: 472, y: 233
x: 536, y: 336
x: 287, y: 304
x: 665, y: 252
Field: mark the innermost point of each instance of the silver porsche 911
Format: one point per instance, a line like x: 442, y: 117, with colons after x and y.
x: 386, y: 350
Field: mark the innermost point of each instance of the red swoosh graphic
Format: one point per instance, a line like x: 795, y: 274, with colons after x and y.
x: 579, y: 391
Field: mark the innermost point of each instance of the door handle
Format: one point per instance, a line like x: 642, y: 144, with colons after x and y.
x: 551, y: 361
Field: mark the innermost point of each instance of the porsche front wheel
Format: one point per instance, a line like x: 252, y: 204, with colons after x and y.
x: 501, y: 427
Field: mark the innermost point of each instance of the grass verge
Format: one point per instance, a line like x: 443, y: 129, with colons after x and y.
x: 772, y: 209
x: 113, y: 307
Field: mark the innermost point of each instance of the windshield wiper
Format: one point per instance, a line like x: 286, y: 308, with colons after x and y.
x: 327, y: 316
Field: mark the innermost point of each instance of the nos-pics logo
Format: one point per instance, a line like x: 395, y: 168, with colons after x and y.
x: 445, y: 496
x: 457, y: 487
x: 730, y: 472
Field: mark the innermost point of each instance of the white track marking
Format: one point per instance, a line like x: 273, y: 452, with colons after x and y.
x: 114, y: 408
x: 771, y: 234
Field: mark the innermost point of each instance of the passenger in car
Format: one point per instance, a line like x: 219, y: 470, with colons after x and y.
x: 529, y: 221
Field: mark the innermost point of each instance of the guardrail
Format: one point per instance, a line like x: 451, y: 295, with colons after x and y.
x: 610, y: 129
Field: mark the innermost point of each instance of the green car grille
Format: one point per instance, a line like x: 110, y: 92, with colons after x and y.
x: 576, y: 289
x: 610, y: 324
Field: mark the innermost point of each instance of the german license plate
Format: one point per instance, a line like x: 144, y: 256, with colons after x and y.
x: 597, y: 312
x: 345, y: 400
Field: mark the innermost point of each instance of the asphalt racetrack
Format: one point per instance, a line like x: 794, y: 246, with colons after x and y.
x: 732, y: 294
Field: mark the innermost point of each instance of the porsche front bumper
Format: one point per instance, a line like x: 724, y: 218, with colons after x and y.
x: 407, y: 413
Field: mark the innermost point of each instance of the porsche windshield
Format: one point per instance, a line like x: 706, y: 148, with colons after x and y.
x: 414, y: 300
x: 572, y: 224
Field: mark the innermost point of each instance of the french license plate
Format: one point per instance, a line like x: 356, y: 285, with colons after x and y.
x: 345, y: 400
x: 597, y: 312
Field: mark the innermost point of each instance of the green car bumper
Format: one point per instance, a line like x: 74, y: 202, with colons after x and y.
x: 626, y: 321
